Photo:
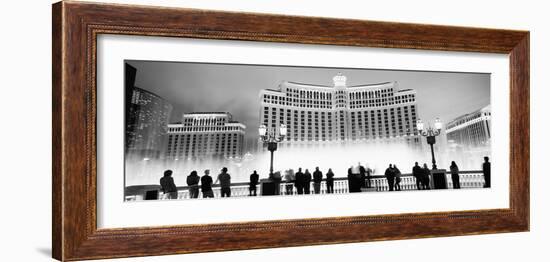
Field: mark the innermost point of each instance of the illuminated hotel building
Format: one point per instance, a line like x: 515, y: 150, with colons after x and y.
x: 473, y: 129
x: 205, y: 136
x: 315, y: 114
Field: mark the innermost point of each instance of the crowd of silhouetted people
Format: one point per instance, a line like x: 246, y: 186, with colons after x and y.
x: 422, y: 175
x: 301, y: 180
x: 358, y: 178
x: 170, y: 190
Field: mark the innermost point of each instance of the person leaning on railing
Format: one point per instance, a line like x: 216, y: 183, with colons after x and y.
x: 397, y: 175
x: 206, y: 185
x: 487, y: 172
x: 355, y: 179
x: 225, y: 182
x: 299, y: 181
x: 276, y: 179
x: 330, y: 181
x: 425, y: 177
x: 390, y: 176
x: 362, y: 175
x: 254, y: 178
x: 193, y: 183
x: 307, y: 182
x: 168, y: 186
x: 289, y: 178
x: 454, y: 175
x: 317, y: 179
x: 417, y: 174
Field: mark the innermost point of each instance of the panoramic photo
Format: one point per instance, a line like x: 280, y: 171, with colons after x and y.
x: 205, y: 130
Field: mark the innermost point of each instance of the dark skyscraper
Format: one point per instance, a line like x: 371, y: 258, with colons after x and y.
x: 147, y: 116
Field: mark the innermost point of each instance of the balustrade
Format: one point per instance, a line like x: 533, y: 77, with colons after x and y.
x: 468, y: 179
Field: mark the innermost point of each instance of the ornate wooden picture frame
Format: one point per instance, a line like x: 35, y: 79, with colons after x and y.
x: 76, y: 26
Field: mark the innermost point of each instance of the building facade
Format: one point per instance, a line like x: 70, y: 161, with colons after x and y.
x: 473, y: 129
x: 147, y: 116
x: 315, y: 114
x: 210, y: 135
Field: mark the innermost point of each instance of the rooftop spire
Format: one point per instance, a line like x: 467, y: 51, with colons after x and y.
x: 339, y: 80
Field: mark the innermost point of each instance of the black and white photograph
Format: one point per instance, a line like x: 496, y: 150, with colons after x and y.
x: 272, y: 131
x: 210, y: 130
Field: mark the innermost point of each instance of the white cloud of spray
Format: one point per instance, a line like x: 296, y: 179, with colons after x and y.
x: 336, y: 156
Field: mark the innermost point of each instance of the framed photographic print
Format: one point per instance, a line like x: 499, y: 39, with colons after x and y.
x: 182, y: 130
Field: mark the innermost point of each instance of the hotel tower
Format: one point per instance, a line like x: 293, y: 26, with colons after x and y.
x: 205, y: 135
x: 473, y: 129
x: 318, y: 114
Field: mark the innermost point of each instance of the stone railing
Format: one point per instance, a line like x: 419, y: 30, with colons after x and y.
x: 468, y: 179
x: 138, y: 192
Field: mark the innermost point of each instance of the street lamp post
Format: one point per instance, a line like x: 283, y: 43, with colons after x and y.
x: 430, y: 133
x: 271, y: 138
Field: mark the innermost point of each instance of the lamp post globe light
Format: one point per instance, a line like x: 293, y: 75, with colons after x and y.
x: 271, y: 138
x: 430, y: 133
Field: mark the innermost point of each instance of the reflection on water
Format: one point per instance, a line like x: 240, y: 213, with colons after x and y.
x: 339, y: 158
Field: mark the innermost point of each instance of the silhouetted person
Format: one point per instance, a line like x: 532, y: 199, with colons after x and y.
x: 206, y: 185
x: 390, y: 176
x: 358, y: 181
x: 225, y: 182
x: 417, y: 174
x: 487, y: 172
x: 317, y: 179
x: 254, y: 177
x: 299, y: 181
x: 168, y: 186
x: 362, y: 175
x: 425, y: 177
x: 276, y: 179
x: 397, y: 174
x: 307, y: 182
x: 330, y: 181
x: 289, y: 179
x: 193, y: 180
x: 354, y: 179
x: 351, y: 186
x: 454, y: 175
